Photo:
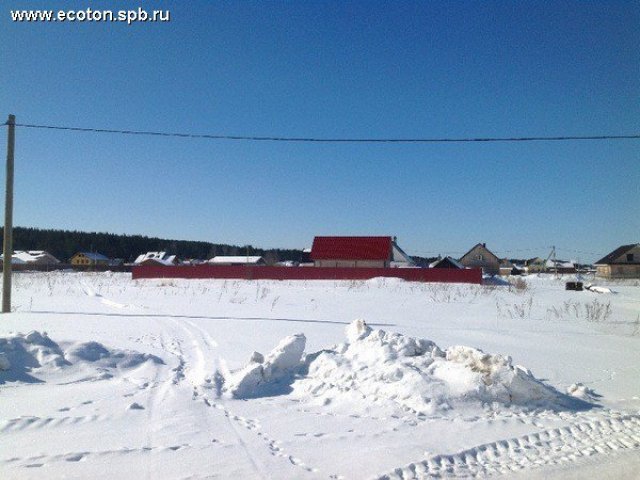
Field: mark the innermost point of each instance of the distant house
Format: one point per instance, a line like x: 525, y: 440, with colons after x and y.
x: 88, y: 259
x: 506, y: 267
x: 559, y: 266
x: 446, y: 262
x: 32, y: 257
x: 534, y: 265
x: 156, y: 258
x: 623, y: 262
x: 371, y: 252
x: 481, y: 257
x: 305, y: 258
x: 237, y: 260
x: 193, y: 261
x: 287, y: 263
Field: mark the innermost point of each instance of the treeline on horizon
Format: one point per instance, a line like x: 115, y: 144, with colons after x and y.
x: 63, y: 244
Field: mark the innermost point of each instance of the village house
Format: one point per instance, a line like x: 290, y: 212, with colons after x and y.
x: 446, y: 262
x: 32, y: 257
x: 361, y: 252
x: 506, y: 267
x: 559, y: 266
x: 623, y: 262
x: 85, y: 259
x: 156, y: 258
x: 534, y: 265
x: 236, y: 260
x: 481, y: 257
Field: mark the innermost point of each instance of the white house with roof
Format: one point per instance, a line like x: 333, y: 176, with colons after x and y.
x: 155, y: 258
x: 561, y: 266
x: 89, y: 259
x: 236, y: 260
x: 32, y: 257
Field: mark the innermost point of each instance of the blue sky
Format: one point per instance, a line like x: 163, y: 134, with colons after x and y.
x: 333, y: 69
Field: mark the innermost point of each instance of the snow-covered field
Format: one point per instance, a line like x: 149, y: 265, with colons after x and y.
x: 105, y: 377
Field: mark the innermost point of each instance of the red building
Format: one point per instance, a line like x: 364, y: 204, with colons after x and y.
x: 364, y: 252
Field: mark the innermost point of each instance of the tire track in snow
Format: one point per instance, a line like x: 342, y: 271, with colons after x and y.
x: 560, y: 445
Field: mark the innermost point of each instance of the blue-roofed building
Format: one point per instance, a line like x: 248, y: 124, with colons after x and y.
x: 85, y: 259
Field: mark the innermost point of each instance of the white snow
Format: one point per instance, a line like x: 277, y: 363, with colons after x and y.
x: 597, y: 289
x: 261, y: 375
x: 105, y: 377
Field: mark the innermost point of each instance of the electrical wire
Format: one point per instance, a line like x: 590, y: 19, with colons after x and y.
x: 329, y: 140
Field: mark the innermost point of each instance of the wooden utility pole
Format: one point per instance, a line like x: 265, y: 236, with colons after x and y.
x: 8, y: 218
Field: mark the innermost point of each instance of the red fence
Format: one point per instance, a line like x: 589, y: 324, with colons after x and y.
x: 472, y: 275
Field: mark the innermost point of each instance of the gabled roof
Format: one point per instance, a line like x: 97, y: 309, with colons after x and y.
x: 446, y: 261
x: 158, y: 256
x: 93, y: 256
x: 400, y: 258
x: 33, y: 256
x: 483, y: 246
x: 168, y: 261
x: 559, y: 264
x: 617, y: 253
x: 223, y: 259
x: 351, y: 248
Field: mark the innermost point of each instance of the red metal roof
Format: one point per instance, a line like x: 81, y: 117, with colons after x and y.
x: 351, y: 248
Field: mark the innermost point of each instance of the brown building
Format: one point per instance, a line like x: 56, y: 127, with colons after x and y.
x: 481, y: 257
x: 623, y: 262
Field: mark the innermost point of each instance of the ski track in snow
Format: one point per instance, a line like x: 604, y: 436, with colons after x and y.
x: 200, y: 367
x: 550, y: 447
x: 253, y: 426
x: 43, y: 460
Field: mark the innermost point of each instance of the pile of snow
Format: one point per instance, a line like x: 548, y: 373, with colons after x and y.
x: 597, y: 289
x: 581, y: 391
x: 23, y: 355
x: 391, y: 369
x: 30, y: 351
x: 105, y: 358
x: 268, y: 375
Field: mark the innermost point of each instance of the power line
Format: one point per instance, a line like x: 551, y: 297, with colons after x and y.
x: 330, y: 140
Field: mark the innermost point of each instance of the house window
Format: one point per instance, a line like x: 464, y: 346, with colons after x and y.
x: 479, y: 257
x: 629, y: 257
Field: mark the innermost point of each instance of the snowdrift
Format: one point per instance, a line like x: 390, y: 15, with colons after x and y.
x: 271, y: 375
x: 24, y: 355
x: 390, y: 369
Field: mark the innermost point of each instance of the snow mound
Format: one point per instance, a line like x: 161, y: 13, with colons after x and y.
x: 596, y: 289
x: 30, y: 351
x: 103, y: 357
x: 23, y: 355
x: 416, y: 375
x: 271, y: 374
x: 581, y: 391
